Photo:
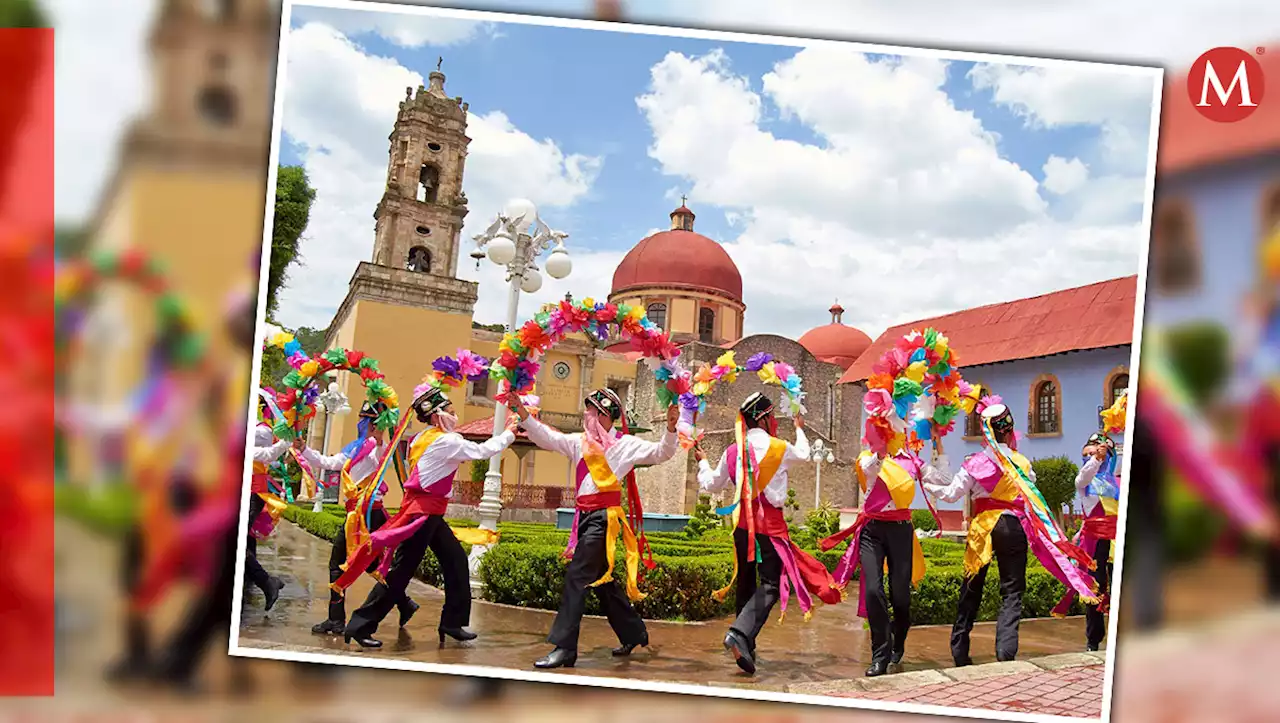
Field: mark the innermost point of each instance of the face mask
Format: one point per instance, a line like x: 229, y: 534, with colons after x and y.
x: 446, y: 421
x: 594, y: 431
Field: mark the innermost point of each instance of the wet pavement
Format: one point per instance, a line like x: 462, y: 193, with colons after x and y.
x: 832, y: 645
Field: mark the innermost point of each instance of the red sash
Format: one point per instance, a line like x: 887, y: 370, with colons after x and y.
x: 1102, y: 528
x: 986, y: 504
x: 599, y: 501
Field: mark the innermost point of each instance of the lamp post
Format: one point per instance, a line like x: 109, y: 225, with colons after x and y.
x: 513, y: 241
x: 821, y: 453
x: 335, y: 402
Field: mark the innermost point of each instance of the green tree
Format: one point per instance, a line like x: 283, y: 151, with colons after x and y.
x: 923, y: 520
x: 488, y: 327
x: 1056, y: 480
x: 21, y: 14
x: 823, y: 521
x: 704, y: 518
x: 294, y: 196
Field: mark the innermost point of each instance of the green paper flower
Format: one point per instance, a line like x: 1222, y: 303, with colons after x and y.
x: 903, y: 387
x: 336, y: 357
x: 294, y: 380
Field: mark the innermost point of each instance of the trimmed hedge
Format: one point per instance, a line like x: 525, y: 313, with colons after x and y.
x: 108, y: 510
x: 527, y: 570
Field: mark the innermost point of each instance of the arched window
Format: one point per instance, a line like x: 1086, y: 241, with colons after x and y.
x: 706, y: 325
x: 1046, y: 406
x: 419, y: 260
x: 657, y: 314
x: 217, y: 106
x: 480, y: 388
x: 1119, y: 385
x: 1175, y: 250
x: 428, y: 183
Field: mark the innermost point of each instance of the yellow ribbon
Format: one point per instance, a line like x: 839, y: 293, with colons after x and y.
x: 607, y: 481
x: 768, y: 468
x: 978, y: 549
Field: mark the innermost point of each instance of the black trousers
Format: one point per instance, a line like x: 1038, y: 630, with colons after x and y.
x: 337, y: 605
x: 253, y: 571
x: 589, y: 564
x: 1095, y: 623
x: 1009, y: 543
x: 436, y: 535
x: 209, y: 615
x: 1144, y: 534
x: 136, y: 632
x: 1271, y: 556
x: 758, y: 587
x: 883, y: 540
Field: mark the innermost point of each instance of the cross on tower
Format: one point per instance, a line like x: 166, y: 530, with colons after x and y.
x: 683, y: 199
x: 439, y: 62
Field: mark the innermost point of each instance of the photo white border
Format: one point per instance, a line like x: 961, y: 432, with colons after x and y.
x: 1155, y: 74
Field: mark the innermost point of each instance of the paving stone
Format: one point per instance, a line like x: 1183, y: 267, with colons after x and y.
x: 1065, y: 660
x: 990, y: 670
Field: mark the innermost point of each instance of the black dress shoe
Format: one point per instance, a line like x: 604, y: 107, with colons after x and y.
x: 963, y: 662
x: 877, y: 669
x: 738, y: 647
x: 458, y: 634
x: 364, y: 642
x: 406, y: 612
x: 625, y: 649
x: 1091, y: 648
x: 895, y: 661
x: 329, y: 627
x: 272, y: 593
x: 558, y: 658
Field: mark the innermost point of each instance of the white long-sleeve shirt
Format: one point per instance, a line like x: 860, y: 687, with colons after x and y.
x: 442, y: 458
x: 263, y: 450
x: 712, y: 480
x: 962, y: 483
x: 932, y: 473
x: 627, y: 453
x: 1086, y: 475
x: 333, y: 462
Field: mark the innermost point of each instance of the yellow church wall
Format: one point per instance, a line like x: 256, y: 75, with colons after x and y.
x: 729, y: 324
x: 681, y: 315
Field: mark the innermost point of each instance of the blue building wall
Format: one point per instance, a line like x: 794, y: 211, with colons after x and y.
x: 1225, y: 205
x: 1082, y: 376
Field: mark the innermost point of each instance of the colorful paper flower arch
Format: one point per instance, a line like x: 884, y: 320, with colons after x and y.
x: 914, y: 390
x: 692, y: 389
x: 297, y: 400
x: 516, y: 367
x: 76, y: 279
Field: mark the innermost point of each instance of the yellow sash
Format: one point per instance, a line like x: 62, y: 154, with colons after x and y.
x: 978, y: 548
x: 902, y: 490
x: 768, y: 468
x: 607, y: 481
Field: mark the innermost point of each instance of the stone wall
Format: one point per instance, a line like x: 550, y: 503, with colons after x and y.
x: 672, y: 488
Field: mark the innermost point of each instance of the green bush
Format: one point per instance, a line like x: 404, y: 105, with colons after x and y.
x: 1189, y: 524
x: 1198, y: 353
x: 1056, y: 480
x: 923, y: 520
x: 704, y: 519
x: 108, y: 510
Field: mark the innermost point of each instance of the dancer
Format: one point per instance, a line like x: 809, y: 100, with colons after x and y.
x: 761, y: 542
x: 602, y: 457
x: 883, y: 536
x: 434, y: 457
x: 1009, y: 518
x: 265, y: 507
x: 357, y: 461
x: 1097, y: 485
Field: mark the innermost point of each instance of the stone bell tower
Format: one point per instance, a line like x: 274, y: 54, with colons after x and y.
x: 420, y: 216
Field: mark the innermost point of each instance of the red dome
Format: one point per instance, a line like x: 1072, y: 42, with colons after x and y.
x: 836, y: 344
x: 679, y: 259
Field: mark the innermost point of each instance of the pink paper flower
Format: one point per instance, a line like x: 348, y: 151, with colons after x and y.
x: 878, y: 402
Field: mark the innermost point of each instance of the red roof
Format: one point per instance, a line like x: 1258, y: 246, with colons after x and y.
x: 1189, y: 141
x: 679, y: 259
x: 482, y: 429
x: 1087, y: 317
x: 835, y: 343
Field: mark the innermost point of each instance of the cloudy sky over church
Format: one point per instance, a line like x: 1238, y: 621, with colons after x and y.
x: 904, y: 186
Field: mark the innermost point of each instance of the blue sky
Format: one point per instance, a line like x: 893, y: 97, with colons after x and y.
x: 577, y: 90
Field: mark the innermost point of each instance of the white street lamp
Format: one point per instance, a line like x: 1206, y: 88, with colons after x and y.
x: 514, y: 240
x: 334, y: 402
x: 819, y: 455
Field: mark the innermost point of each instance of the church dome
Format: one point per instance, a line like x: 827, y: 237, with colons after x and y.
x: 836, y: 343
x: 679, y: 259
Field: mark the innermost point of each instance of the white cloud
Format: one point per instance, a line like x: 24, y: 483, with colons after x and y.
x: 1062, y: 176
x: 403, y: 29
x: 340, y: 104
x: 905, y: 209
x: 1171, y: 32
x: 94, y: 99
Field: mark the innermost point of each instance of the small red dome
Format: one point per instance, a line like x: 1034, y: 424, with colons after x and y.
x: 836, y: 344
x: 679, y: 259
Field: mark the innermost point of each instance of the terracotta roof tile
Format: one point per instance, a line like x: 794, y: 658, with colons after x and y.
x: 1089, y: 317
x: 478, y: 430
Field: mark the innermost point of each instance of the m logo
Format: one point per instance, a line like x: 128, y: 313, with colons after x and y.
x: 1225, y: 84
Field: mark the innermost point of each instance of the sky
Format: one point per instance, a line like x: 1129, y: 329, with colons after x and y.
x: 1026, y: 183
